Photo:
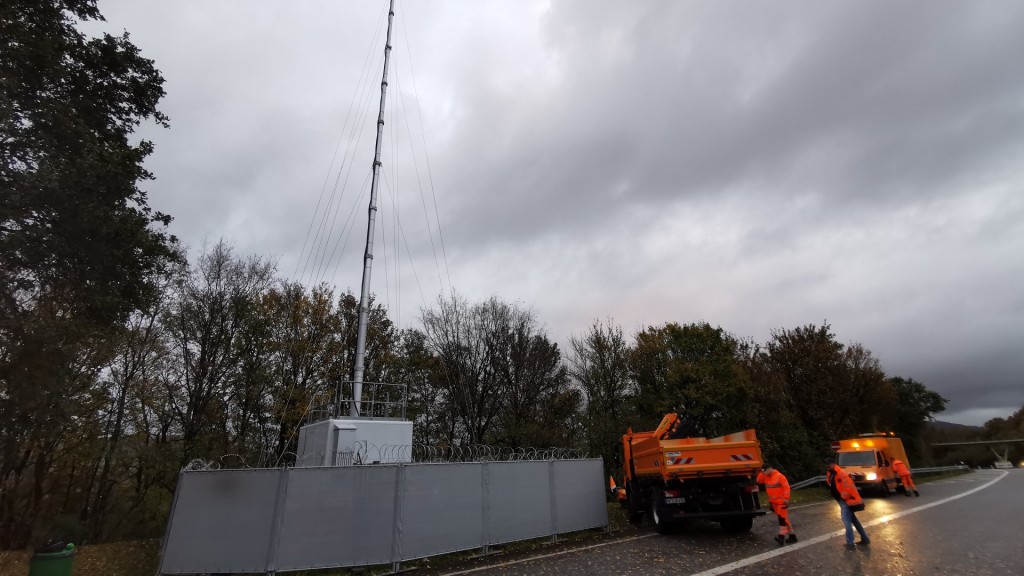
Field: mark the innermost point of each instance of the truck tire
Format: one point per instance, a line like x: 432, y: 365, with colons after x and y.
x: 661, y: 524
x: 737, y: 525
x: 656, y: 519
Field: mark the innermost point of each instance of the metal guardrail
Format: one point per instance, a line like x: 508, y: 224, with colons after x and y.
x: 938, y: 469
x: 932, y: 470
x: 806, y: 483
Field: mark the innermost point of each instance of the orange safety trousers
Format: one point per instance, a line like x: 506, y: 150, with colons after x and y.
x: 908, y: 482
x: 782, y: 511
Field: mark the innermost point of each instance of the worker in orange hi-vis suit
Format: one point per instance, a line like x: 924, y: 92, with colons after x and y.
x: 903, y: 472
x: 777, y: 487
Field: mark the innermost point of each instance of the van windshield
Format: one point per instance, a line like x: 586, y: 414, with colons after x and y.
x: 856, y: 459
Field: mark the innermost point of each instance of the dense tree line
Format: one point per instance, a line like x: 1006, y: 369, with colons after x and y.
x: 801, y: 390
x: 227, y: 362
x: 123, y: 358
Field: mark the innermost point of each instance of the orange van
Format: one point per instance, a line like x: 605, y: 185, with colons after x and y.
x: 868, y: 460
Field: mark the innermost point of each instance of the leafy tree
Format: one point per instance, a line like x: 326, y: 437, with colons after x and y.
x: 421, y: 370
x: 876, y: 401
x: 915, y: 405
x: 539, y: 406
x: 500, y: 378
x: 693, y: 369
x: 304, y: 330
x: 812, y: 365
x: 128, y: 381
x: 213, y: 303
x: 1010, y: 428
x: 460, y: 336
x: 79, y: 245
x: 599, y: 366
x: 784, y: 440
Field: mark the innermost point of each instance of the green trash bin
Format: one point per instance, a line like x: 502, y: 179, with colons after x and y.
x: 55, y: 563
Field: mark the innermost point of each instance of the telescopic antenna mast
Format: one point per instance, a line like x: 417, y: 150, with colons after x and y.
x: 364, y: 292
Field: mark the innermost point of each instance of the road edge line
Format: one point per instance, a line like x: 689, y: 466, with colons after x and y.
x: 751, y: 560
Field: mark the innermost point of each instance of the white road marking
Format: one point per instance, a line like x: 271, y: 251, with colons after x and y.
x: 747, y: 561
x: 552, y: 555
x: 811, y: 504
x: 819, y: 539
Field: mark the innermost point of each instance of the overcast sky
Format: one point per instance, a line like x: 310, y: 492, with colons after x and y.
x: 756, y: 165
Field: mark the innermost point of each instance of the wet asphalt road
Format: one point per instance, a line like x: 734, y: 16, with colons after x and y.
x: 949, y: 530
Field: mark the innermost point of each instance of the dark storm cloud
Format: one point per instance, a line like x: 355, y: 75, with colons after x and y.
x: 756, y: 165
x: 854, y: 102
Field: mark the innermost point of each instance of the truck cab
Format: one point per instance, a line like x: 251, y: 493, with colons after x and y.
x: 868, y: 460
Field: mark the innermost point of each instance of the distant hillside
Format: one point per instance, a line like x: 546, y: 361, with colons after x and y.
x: 940, y: 425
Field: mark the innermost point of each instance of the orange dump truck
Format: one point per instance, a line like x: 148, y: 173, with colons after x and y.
x: 868, y: 460
x: 675, y: 479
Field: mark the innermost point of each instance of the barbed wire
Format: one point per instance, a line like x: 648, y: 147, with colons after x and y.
x: 200, y: 464
x: 367, y: 453
x: 487, y: 453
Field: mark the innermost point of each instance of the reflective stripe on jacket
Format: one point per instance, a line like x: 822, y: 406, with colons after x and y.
x: 775, y: 484
x: 843, y: 485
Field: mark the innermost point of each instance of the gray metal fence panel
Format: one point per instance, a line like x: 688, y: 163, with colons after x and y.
x: 518, y: 501
x: 579, y: 495
x: 236, y: 521
x: 441, y: 509
x: 337, y: 517
x: 222, y: 523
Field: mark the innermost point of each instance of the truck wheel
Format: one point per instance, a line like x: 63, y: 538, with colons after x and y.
x: 659, y: 523
x: 737, y: 525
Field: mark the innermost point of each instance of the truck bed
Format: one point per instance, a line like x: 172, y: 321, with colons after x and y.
x: 733, y: 454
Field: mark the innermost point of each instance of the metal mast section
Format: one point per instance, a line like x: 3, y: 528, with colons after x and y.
x: 364, y: 292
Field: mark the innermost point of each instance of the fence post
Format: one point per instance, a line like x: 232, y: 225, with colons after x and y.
x: 485, y: 486
x: 276, y: 520
x: 396, y: 524
x: 554, y: 501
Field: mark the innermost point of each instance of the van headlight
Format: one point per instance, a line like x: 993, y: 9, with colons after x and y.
x: 871, y: 477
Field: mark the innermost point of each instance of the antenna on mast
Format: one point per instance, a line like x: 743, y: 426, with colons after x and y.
x: 364, y: 292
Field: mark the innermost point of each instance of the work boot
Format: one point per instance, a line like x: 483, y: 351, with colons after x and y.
x: 916, y: 493
x: 780, y: 539
x: 863, y: 542
x: 791, y: 539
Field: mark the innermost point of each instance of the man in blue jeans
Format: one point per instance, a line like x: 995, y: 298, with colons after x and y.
x: 845, y: 492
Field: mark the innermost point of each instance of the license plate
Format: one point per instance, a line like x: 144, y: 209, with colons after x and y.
x: 675, y: 500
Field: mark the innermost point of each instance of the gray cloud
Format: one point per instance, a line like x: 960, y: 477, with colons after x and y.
x: 758, y: 166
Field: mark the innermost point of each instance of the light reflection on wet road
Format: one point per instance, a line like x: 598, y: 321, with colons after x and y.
x: 980, y: 534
